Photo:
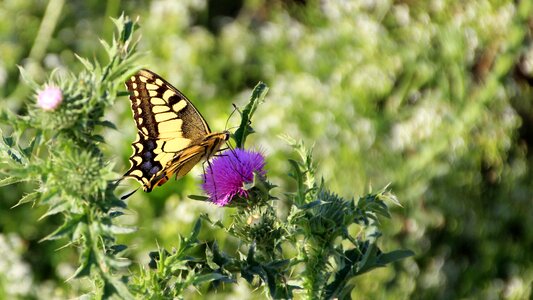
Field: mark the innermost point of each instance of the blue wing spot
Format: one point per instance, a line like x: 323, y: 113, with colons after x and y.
x: 154, y: 170
x: 147, y: 155
x: 146, y: 166
x: 149, y: 144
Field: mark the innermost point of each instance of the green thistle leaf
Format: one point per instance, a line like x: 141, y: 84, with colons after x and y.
x: 258, y: 95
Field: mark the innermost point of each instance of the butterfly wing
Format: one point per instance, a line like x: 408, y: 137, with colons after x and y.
x: 184, y: 160
x: 167, y: 123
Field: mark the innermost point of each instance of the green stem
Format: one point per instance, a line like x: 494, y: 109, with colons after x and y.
x: 38, y: 50
x: 314, y: 278
x: 51, y: 16
x: 104, y: 270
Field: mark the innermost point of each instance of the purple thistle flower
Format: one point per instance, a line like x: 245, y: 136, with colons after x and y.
x: 49, y: 98
x: 226, y: 174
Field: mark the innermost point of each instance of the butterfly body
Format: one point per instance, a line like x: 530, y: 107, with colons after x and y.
x: 172, y: 135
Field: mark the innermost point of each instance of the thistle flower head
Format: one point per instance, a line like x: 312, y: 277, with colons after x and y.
x: 49, y: 98
x: 227, y: 174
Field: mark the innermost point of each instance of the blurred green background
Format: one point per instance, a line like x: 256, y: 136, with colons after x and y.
x: 433, y: 97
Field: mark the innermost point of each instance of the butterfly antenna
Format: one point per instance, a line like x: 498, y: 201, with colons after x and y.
x: 235, y: 108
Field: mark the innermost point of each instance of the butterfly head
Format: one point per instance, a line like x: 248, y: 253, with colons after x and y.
x: 226, y: 135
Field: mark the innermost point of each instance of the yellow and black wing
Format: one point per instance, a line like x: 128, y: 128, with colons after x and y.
x: 172, y: 136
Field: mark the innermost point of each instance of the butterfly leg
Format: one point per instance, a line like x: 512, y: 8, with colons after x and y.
x: 210, y: 169
x: 235, y: 168
x: 235, y: 108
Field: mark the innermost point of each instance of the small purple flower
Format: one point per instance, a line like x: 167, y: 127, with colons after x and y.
x: 49, y: 98
x: 226, y: 175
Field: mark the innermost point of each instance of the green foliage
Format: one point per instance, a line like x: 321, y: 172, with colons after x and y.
x: 323, y: 258
x: 316, y: 227
x: 175, y: 272
x: 323, y: 219
x: 63, y: 159
x: 431, y: 96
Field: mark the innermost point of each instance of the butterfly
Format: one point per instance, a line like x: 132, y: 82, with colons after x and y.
x: 172, y: 135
